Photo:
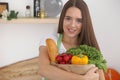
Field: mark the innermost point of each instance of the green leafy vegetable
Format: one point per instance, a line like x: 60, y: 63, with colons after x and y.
x: 94, y: 55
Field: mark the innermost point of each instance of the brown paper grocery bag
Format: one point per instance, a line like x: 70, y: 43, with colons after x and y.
x: 78, y: 69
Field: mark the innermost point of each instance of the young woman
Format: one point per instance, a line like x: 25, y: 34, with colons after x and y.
x: 76, y: 29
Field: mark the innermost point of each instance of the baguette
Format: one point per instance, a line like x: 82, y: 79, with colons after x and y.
x: 52, y: 49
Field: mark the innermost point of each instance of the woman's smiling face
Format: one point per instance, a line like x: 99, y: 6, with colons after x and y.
x: 72, y: 23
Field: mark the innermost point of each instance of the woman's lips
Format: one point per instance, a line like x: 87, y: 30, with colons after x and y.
x: 71, y: 30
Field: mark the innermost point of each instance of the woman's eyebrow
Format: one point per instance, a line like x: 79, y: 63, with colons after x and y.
x: 67, y: 16
x: 71, y: 17
x: 79, y: 18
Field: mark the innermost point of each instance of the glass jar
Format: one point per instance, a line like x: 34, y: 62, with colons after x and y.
x: 28, y: 11
x: 42, y: 14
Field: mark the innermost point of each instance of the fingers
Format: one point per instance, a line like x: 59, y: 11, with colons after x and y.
x: 92, y: 74
x: 94, y: 69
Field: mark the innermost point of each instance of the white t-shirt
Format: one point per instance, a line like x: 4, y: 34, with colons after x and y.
x: 55, y: 38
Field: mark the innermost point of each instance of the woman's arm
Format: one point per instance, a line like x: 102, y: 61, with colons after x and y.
x: 52, y: 73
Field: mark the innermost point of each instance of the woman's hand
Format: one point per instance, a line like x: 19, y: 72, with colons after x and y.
x: 92, y: 74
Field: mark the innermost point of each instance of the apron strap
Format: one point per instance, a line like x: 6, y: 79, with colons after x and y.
x: 59, y: 41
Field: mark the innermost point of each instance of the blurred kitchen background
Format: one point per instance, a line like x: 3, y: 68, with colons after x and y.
x: 21, y: 41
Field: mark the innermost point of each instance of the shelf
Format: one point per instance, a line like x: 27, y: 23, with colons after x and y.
x: 30, y: 20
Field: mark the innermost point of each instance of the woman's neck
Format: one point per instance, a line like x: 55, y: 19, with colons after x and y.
x: 69, y: 42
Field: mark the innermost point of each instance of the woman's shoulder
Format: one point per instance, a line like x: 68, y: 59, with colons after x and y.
x: 46, y: 36
x: 52, y: 36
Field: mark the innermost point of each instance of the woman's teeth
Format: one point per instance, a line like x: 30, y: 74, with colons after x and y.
x: 71, y: 30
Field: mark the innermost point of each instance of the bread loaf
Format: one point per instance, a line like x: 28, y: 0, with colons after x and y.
x: 52, y: 49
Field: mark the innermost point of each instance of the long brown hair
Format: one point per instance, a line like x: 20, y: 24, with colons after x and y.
x: 86, y: 35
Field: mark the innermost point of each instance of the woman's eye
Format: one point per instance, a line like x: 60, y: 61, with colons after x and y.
x: 67, y: 18
x: 79, y: 20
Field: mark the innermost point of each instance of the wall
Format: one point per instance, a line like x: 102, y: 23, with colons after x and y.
x: 105, y: 16
x: 21, y: 41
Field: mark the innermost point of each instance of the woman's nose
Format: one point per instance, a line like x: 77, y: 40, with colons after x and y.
x: 73, y: 23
